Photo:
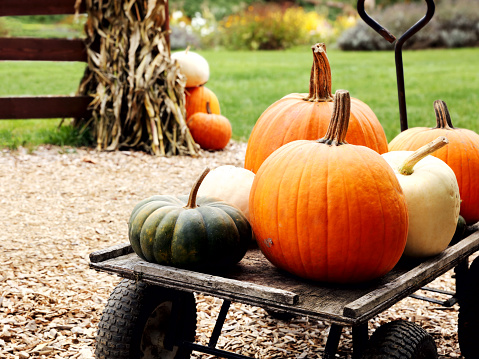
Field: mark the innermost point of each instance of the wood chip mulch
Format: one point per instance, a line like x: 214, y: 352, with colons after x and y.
x: 57, y: 205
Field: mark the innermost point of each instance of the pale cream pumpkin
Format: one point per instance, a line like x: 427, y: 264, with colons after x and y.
x: 231, y: 184
x: 193, y: 66
x: 432, y: 197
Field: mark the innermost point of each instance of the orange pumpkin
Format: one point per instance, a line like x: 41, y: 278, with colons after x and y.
x: 461, y: 154
x: 196, y: 99
x: 329, y: 211
x: 300, y: 116
x: 211, y: 131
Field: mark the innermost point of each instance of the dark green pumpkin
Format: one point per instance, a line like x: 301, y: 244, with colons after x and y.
x: 460, y: 231
x: 189, y: 232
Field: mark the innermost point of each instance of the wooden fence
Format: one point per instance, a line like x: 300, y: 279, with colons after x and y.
x: 37, y: 49
x: 33, y: 49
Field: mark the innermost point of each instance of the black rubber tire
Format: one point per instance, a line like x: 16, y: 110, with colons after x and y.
x: 468, y: 318
x: 400, y: 340
x: 122, y: 331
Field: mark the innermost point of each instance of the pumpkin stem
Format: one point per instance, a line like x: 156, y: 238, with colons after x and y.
x: 338, y: 126
x: 194, y: 191
x: 320, y: 78
x: 187, y: 49
x: 443, y: 117
x: 208, y: 108
x: 407, y: 168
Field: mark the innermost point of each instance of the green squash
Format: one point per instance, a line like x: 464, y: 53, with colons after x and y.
x: 189, y: 231
x: 460, y: 231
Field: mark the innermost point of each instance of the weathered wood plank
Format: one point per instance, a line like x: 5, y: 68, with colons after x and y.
x: 202, y: 282
x: 406, y: 284
x: 111, y: 252
x: 471, y: 229
x: 34, y: 49
x: 44, y: 107
x: 341, y: 304
x: 317, y: 300
x: 122, y: 266
x: 133, y: 267
x: 38, y: 7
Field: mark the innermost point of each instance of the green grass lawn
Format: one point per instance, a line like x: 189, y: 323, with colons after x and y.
x: 246, y: 83
x: 37, y: 78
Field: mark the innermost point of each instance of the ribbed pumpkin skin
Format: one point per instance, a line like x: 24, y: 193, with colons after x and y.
x: 196, y: 99
x: 210, y: 131
x: 333, y: 214
x: 461, y: 154
x: 292, y: 118
x: 214, y: 234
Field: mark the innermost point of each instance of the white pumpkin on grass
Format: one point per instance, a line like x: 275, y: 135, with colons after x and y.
x: 193, y: 66
x: 432, y: 197
x: 231, y: 184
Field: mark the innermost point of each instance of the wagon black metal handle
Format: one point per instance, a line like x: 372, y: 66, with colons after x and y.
x: 386, y: 34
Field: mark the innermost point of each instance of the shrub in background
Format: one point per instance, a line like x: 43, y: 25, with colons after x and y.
x: 273, y: 26
x: 181, y: 38
x: 222, y: 8
x: 218, y: 8
x: 455, y: 24
x: 263, y: 27
x: 196, y: 32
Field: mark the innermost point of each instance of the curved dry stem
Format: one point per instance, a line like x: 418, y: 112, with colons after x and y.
x: 320, y: 78
x: 338, y: 126
x: 443, y: 118
x: 407, y: 167
x: 194, y: 190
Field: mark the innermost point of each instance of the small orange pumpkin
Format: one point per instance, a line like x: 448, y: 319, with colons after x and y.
x: 196, y: 99
x: 461, y: 154
x: 211, y: 131
x: 327, y: 210
x: 300, y: 116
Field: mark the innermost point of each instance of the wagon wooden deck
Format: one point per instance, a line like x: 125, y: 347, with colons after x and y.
x: 255, y: 281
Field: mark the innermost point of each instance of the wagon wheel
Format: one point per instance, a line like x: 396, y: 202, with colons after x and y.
x: 136, y: 323
x: 468, y: 319
x: 400, y: 340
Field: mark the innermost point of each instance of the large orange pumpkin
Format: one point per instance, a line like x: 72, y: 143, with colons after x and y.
x: 301, y: 116
x: 196, y: 99
x: 211, y: 131
x: 461, y: 154
x: 329, y: 211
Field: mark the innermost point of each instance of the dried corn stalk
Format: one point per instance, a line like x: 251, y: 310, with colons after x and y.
x: 137, y: 90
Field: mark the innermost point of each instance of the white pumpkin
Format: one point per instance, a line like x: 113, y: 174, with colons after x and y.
x: 193, y: 66
x: 231, y: 184
x: 432, y: 197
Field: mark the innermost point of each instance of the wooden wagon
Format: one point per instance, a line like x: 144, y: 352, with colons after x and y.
x: 153, y: 309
